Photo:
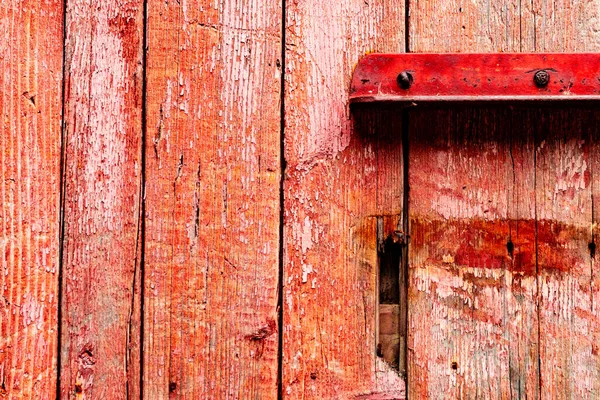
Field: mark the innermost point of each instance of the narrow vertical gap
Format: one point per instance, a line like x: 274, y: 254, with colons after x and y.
x: 62, y: 191
x: 403, y: 325
x: 280, y: 280
x: 537, y: 267
x: 406, y: 26
x: 389, y: 340
x: 403, y: 362
x: 592, y: 245
x: 142, y: 211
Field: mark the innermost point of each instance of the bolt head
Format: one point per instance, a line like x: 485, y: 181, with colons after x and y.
x: 405, y: 80
x: 541, y: 78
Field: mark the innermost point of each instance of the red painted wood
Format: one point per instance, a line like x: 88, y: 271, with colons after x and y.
x: 564, y: 205
x: 476, y: 77
x: 548, y: 319
x: 100, y: 352
x: 473, y: 326
x: 341, y: 173
x: 212, y: 199
x: 472, y: 311
x: 30, y: 106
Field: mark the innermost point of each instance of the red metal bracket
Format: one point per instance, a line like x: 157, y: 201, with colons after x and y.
x: 417, y: 78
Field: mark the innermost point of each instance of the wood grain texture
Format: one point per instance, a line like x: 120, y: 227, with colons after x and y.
x: 100, y: 354
x: 30, y: 106
x: 212, y: 195
x: 340, y: 175
x: 569, y: 367
x: 565, y: 153
x: 549, y: 200
x: 472, y: 310
x: 472, y: 315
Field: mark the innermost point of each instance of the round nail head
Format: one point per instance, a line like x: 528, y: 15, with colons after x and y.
x: 541, y: 78
x: 405, y: 80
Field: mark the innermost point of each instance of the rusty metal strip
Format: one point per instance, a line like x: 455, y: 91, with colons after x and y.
x: 418, y: 78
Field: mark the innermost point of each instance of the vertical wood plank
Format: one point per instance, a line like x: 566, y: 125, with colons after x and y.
x: 472, y: 288
x: 594, y: 328
x: 566, y: 148
x: 30, y: 107
x: 340, y: 174
x: 471, y: 299
x: 212, y: 199
x: 102, y: 175
x: 564, y: 294
x: 569, y: 369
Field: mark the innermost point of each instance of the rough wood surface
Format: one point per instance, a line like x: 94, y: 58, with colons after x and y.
x: 102, y: 174
x: 212, y: 195
x: 470, y: 300
x: 472, y: 316
x: 568, y: 355
x: 335, y: 174
x: 539, y: 301
x: 566, y: 154
x: 30, y: 106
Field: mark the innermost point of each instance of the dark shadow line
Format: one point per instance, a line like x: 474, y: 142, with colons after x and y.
x: 405, y: 214
x: 62, y: 192
x: 280, y: 280
x: 142, y: 211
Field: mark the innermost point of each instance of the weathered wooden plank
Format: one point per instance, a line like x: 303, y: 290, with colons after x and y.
x: 466, y: 26
x: 565, y: 148
x: 340, y: 174
x: 594, y: 163
x: 569, y: 367
x: 472, y: 258
x: 471, y: 296
x: 100, y: 354
x: 213, y: 199
x: 30, y: 106
x: 566, y: 278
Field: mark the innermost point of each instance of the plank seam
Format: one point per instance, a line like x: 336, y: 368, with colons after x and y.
x: 405, y: 216
x: 537, y: 267
x: 406, y: 26
x: 142, y: 206
x: 280, y: 280
x: 62, y: 192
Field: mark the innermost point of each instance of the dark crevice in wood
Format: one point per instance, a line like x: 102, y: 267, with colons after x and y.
x: 389, y: 257
x: 403, y: 278
x: 537, y: 270
x: 62, y: 191
x: 592, y: 245
x: 282, y: 166
x: 406, y: 26
x: 403, y: 273
x: 389, y: 271
x: 142, y: 194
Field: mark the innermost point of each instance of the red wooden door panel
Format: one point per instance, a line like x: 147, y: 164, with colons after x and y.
x: 100, y: 325
x: 212, y: 199
x: 30, y: 106
x: 472, y: 281
x: 339, y: 177
x: 499, y: 262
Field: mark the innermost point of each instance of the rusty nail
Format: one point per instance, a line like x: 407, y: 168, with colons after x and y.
x: 405, y: 80
x: 541, y: 78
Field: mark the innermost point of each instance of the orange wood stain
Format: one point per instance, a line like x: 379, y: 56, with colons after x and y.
x: 178, y: 224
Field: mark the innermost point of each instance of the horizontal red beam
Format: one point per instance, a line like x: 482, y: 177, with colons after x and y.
x: 416, y: 77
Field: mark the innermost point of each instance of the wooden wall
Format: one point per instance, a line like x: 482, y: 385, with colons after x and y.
x: 190, y: 210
